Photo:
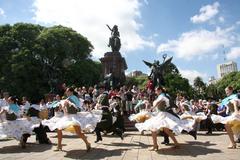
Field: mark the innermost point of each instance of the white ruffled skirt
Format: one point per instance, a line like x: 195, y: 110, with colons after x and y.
x: 233, y: 121
x: 15, y: 129
x: 166, y: 120
x: 86, y: 120
x: 195, y: 116
x: 140, y: 117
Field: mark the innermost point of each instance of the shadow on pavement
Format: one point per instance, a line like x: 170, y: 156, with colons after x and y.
x: 129, y: 145
x: 30, y: 147
x: 4, y: 140
x: 190, y: 148
x: 213, y: 134
x: 94, y: 153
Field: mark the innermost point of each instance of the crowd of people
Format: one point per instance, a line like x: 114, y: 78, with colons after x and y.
x: 95, y: 109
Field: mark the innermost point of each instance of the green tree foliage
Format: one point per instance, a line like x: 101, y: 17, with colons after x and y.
x: 35, y: 60
x: 139, y: 81
x: 199, y: 87
x: 231, y: 79
x: 198, y: 83
x: 217, y: 91
x: 86, y: 73
x: 212, y: 91
x: 174, y: 82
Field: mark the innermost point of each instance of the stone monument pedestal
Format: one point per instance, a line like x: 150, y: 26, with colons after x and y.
x: 115, y: 65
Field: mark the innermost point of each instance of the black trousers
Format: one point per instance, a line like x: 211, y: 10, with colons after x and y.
x: 209, y: 124
x: 113, y: 129
x: 41, y: 135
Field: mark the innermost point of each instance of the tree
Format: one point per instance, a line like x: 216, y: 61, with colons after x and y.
x: 199, y: 86
x: 85, y: 73
x: 212, y: 91
x: 175, y: 83
x: 140, y: 81
x: 231, y: 79
x: 34, y: 59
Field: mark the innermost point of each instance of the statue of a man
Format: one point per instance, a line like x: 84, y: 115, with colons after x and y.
x: 114, y: 40
x: 114, y: 31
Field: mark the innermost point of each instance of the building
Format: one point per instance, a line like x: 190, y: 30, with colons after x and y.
x: 212, y: 80
x: 225, y: 68
x: 136, y: 74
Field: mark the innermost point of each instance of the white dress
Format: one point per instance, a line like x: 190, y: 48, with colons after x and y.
x: 15, y: 129
x: 233, y: 120
x: 142, y: 116
x: 194, y: 116
x: 52, y: 121
x: 165, y: 120
x: 86, y: 120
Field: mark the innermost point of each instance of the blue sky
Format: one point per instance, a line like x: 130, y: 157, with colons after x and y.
x: 195, y: 32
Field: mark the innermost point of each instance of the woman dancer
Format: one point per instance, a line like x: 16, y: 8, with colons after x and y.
x: 232, y: 122
x: 73, y: 121
x: 163, y: 120
x: 14, y: 127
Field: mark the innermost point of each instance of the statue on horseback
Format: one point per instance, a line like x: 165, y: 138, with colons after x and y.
x: 114, y: 40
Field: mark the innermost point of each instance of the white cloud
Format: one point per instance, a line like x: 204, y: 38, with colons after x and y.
x: 199, y: 43
x: 221, y: 19
x: 192, y: 74
x: 206, y: 12
x: 234, y: 53
x: 90, y: 18
x: 2, y: 13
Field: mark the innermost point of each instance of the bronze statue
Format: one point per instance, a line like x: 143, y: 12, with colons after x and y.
x: 158, y: 70
x: 114, y: 40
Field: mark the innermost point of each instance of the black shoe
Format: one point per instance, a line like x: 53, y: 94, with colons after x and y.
x: 238, y: 140
x: 165, y: 142
x: 119, y: 133
x: 100, y: 139
x: 48, y: 142
x: 22, y: 143
x: 121, y: 136
x: 209, y: 133
x: 194, y: 134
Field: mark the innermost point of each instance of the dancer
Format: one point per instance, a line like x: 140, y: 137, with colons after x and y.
x: 73, y: 98
x: 163, y: 120
x: 232, y: 122
x: 117, y: 111
x: 106, y: 123
x: 13, y: 126
x: 34, y: 114
x: 73, y: 121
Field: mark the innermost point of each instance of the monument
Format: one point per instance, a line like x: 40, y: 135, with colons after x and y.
x: 114, y: 65
x: 158, y: 70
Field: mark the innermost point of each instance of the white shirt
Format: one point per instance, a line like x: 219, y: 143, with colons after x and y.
x: 36, y: 106
x: 161, y: 97
x: 3, y: 102
x: 26, y: 106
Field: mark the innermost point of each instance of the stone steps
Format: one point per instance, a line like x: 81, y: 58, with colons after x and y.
x: 129, y: 126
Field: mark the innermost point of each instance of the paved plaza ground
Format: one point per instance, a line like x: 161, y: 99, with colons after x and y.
x: 133, y: 147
